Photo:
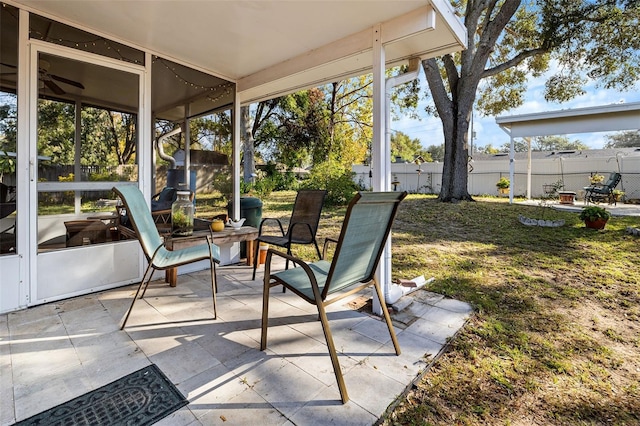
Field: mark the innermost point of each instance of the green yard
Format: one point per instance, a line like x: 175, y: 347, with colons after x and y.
x: 556, y: 334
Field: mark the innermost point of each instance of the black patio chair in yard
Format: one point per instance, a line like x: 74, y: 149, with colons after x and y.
x: 364, y: 232
x: 302, y: 228
x: 599, y: 193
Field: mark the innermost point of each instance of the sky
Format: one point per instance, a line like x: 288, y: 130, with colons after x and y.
x: 429, y: 129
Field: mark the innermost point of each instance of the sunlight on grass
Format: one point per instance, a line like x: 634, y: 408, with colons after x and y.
x: 556, y: 334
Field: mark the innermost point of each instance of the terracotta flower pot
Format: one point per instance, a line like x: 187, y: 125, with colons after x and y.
x: 595, y: 224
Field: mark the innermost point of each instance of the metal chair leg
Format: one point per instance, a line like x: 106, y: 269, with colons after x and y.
x: 135, y: 297
x: 214, y: 288
x: 255, y: 260
x: 332, y: 353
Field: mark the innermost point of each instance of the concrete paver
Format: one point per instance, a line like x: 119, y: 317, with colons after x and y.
x: 55, y: 352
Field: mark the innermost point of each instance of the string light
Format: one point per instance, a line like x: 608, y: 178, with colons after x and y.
x: 88, y: 45
x: 216, y: 92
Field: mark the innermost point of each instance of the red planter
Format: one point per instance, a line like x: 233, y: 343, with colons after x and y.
x: 595, y: 224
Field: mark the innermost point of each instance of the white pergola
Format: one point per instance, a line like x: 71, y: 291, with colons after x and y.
x: 614, y: 117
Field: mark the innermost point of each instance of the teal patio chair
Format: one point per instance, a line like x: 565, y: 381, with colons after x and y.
x: 157, y: 255
x: 365, y: 229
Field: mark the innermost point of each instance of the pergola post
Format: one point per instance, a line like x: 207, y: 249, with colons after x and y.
x: 380, y: 154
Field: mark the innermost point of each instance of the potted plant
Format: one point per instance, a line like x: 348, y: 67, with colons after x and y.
x: 616, y: 194
x: 596, y: 179
x: 595, y: 217
x: 503, y: 185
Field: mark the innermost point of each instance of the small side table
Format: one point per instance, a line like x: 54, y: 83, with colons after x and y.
x: 567, y: 197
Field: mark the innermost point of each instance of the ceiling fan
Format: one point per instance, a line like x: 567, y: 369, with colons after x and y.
x: 47, y: 79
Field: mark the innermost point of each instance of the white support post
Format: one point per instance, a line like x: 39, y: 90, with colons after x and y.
x: 528, y: 168
x: 235, y: 152
x: 512, y: 165
x: 380, y: 153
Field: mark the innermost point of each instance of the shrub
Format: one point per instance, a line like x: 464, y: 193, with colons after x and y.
x: 337, y: 181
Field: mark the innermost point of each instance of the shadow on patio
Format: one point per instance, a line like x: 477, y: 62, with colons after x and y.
x: 52, y: 353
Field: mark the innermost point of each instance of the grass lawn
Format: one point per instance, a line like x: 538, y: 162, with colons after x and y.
x: 556, y: 334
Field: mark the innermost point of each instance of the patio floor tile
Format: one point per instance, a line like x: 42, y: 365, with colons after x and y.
x: 52, y: 353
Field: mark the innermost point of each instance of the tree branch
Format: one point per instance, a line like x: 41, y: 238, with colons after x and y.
x: 452, y: 72
x: 436, y: 85
x: 513, y: 61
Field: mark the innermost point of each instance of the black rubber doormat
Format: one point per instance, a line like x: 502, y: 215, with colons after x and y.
x: 140, y: 398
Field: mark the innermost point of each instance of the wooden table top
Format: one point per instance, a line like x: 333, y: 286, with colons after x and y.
x: 201, y: 229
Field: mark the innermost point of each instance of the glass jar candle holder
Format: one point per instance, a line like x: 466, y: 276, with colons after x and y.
x: 182, y: 215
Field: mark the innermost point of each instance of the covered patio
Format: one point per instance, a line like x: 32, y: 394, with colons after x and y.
x: 173, y: 62
x: 52, y: 353
x: 170, y: 60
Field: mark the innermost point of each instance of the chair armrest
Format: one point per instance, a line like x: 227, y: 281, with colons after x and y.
x: 270, y: 219
x: 297, y: 261
x: 326, y: 244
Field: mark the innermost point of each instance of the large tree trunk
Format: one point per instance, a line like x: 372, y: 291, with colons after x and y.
x: 455, y: 113
x: 455, y: 168
x: 247, y: 145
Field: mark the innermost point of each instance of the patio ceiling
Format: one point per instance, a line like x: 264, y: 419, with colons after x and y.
x: 269, y: 48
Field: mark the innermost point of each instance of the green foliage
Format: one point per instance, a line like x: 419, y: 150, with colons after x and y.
x: 335, y: 179
x: 436, y: 152
x: 8, y: 121
x: 224, y: 183
x: 104, y: 177
x: 407, y: 149
x: 262, y: 187
x: 212, y: 132
x: 503, y: 183
x: 7, y: 164
x: 626, y: 139
x: 56, y: 131
x: 546, y: 143
x: 108, y: 138
x: 592, y: 213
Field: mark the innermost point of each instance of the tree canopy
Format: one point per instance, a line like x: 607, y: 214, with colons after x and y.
x: 627, y: 139
x: 545, y: 143
x: 511, y: 41
x: 406, y: 148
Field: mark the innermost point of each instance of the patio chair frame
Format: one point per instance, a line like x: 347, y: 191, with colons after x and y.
x: 303, y: 225
x: 344, y: 275
x: 597, y: 194
x: 158, y: 256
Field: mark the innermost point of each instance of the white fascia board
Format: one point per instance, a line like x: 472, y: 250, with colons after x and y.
x: 446, y: 12
x: 615, y: 117
x: 347, y: 57
x: 573, y: 112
